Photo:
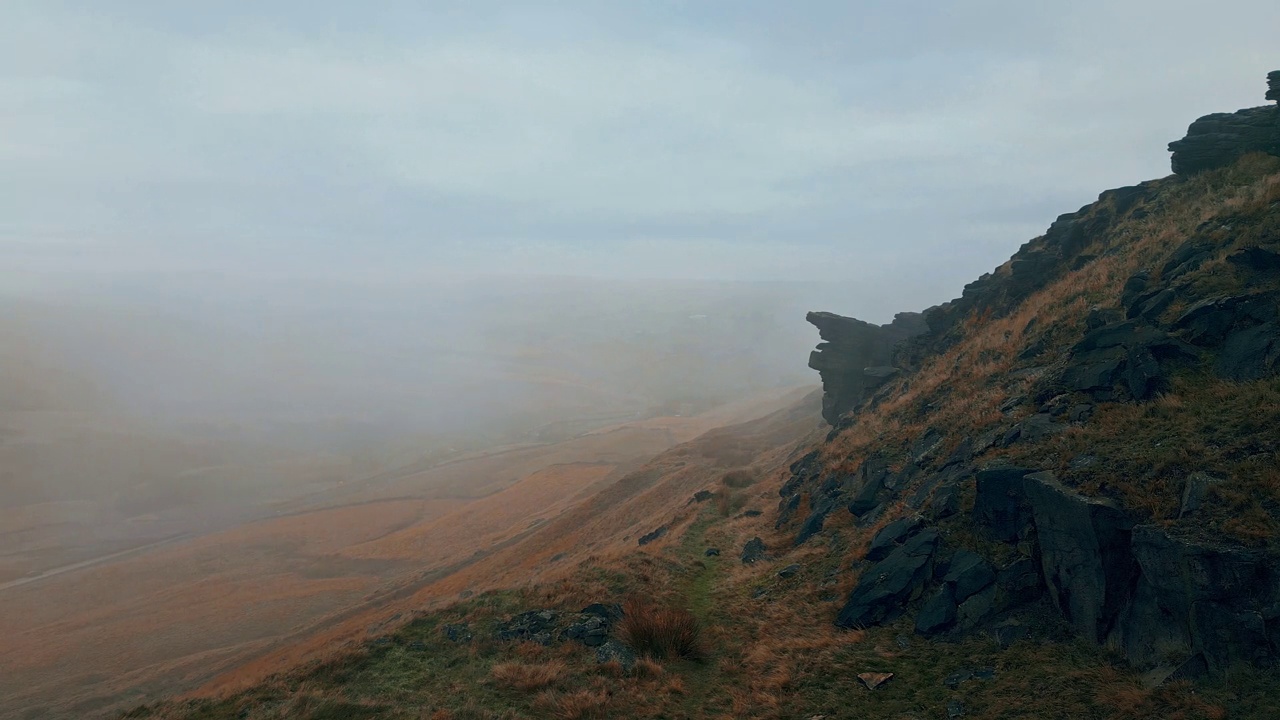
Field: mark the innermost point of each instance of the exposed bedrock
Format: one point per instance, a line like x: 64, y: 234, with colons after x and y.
x: 856, y: 357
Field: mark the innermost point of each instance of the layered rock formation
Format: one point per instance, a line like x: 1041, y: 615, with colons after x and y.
x: 1217, y: 140
x: 856, y: 357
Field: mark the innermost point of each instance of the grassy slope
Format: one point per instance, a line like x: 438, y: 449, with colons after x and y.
x: 772, y: 649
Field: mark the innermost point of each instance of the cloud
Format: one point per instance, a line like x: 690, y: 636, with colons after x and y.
x: 713, y: 140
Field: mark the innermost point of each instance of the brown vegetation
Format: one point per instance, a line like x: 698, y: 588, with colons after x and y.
x: 660, y: 632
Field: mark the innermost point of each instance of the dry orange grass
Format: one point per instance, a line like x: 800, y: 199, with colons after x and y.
x: 526, y: 677
x: 577, y: 705
x: 660, y: 632
x: 971, y: 378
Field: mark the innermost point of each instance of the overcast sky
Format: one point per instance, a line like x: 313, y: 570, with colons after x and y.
x: 903, y: 147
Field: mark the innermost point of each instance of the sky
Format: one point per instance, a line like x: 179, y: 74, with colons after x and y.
x: 900, y: 148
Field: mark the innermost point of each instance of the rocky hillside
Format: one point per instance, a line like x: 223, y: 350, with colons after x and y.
x: 1055, y: 496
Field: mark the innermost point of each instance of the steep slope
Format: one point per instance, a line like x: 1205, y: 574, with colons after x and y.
x: 1057, y: 499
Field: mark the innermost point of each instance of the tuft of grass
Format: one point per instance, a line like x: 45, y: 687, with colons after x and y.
x: 528, y: 677
x: 661, y: 632
x: 740, y: 478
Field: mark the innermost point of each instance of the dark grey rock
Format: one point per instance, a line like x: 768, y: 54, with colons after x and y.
x: 849, y: 348
x: 610, y: 613
x: 1196, y: 491
x: 977, y: 608
x: 968, y: 573
x: 1200, y: 597
x: 893, y: 535
x: 1217, y: 140
x: 703, y: 496
x: 753, y: 551
x: 1084, y: 552
x: 938, y: 614
x: 650, y: 537
x: 885, y: 588
x: 458, y: 632
x: 1000, y: 504
x: 1257, y: 259
x: 712, y: 552
x: 1250, y: 354
x: 869, y: 483
x: 945, y: 502
x: 534, y: 625
x: 925, y: 445
x: 789, y: 571
x: 1020, y: 582
x: 955, y: 709
x: 615, y: 651
x: 786, y: 510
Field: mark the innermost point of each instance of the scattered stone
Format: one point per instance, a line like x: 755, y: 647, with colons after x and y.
x: 1196, y: 492
x: 874, y: 680
x: 1009, y: 632
x: 609, y: 613
x: 534, y: 626
x: 458, y: 633
x: 789, y: 571
x: 613, y: 650
x: 592, y: 632
x: 955, y: 709
x: 712, y: 552
x: 959, y: 677
x: 753, y: 551
x: 902, y: 641
x: 758, y: 593
x: 650, y: 537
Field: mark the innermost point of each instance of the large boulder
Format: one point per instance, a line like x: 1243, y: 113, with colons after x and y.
x: 1084, y: 552
x: 1200, y: 598
x: 883, y: 591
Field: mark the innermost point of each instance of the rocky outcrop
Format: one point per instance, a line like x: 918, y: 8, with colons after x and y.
x: 1217, y: 140
x: 1170, y: 601
x: 856, y: 357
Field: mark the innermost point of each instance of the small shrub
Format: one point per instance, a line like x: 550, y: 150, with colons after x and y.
x: 526, y: 677
x: 740, y: 478
x: 660, y: 632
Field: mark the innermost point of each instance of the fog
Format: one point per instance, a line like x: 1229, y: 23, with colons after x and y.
x: 140, y: 407
x: 249, y: 253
